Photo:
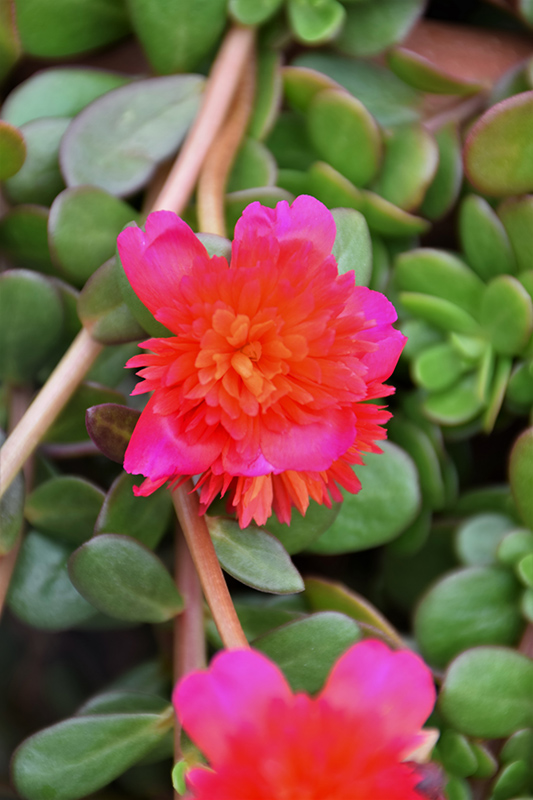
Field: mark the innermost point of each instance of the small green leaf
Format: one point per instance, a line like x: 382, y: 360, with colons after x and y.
x: 307, y: 649
x: 12, y: 150
x: 83, y: 227
x: 70, y: 425
x: 65, y: 507
x: 103, y: 310
x: 373, y: 27
x: 409, y: 166
x: 124, y: 579
x: 517, y: 217
x: 41, y: 593
x: 466, y: 608
x: 24, y: 238
x: 31, y: 323
x: 289, y: 143
x: 11, y: 511
x: 441, y: 313
x: 314, y: 22
x: 524, y: 570
x: 456, y: 754
x: 478, y: 538
x: 303, y: 530
x: 455, y: 406
x: 446, y: 185
x: 422, y: 74
x: 438, y: 367
x: 76, y: 757
x: 345, y: 135
x: 253, y: 12
x: 58, y: 92
x: 514, y: 545
x: 484, y: 240
x: 519, y: 747
x: 254, y: 557
x: 387, y: 219
x: 416, y: 442
x: 110, y: 426
x: 506, y: 314
x: 487, y: 692
x: 353, y: 246
x: 143, y: 518
x: 385, y: 96
x: 497, y: 153
x: 512, y: 781
x: 39, y: 179
x: 301, y: 84
x: 332, y: 188
x: 118, y: 140
x: 176, y: 36
x: 388, y: 501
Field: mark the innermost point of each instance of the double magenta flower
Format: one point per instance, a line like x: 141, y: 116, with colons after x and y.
x: 262, y: 389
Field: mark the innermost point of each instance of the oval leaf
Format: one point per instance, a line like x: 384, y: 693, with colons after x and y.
x: 110, y: 426
x: 103, y: 310
x: 254, y: 557
x: 124, y: 579
x: 521, y: 475
x: 409, y: 166
x: 12, y: 150
x: 65, y: 507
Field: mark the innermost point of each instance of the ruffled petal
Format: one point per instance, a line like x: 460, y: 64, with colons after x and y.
x: 156, y: 259
x: 231, y: 697
x: 306, y: 229
x: 389, y: 341
x: 159, y: 449
x: 378, y: 686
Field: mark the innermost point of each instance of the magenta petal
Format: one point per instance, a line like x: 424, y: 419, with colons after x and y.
x: 231, y: 696
x: 158, y: 449
x: 310, y: 447
x: 156, y: 259
x: 394, y: 689
x: 305, y: 227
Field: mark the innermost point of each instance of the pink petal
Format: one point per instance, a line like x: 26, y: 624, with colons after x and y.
x: 231, y: 696
x: 159, y: 449
x: 376, y: 683
x: 306, y: 228
x: 156, y: 259
x: 311, y: 447
x: 383, y: 360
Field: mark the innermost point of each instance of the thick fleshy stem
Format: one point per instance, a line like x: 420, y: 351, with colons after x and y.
x: 217, y: 167
x: 205, y: 559
x: 225, y: 74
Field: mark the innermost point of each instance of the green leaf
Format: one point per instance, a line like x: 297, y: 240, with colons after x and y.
x: 65, y: 507
x: 254, y: 557
x: 66, y: 29
x: 439, y: 274
x: 467, y: 608
x: 39, y: 179
x: 506, y: 314
x: 409, y: 166
x: 314, y: 22
x: 441, y: 313
x: 438, y: 367
x: 143, y: 518
x: 386, y: 97
x: 420, y: 447
x: 41, y: 593
x: 514, y: 545
x: 117, y: 141
x: 456, y: 754
x: 372, y: 27
x: 24, y: 238
x: 70, y: 425
x: 307, y: 649
x: 353, y: 246
x: 124, y: 579
x: 517, y: 217
x: 455, y: 406
x: 268, y: 93
x: 289, y: 143
x: 58, y: 92
x: 387, y: 219
x: 443, y: 191
x: 422, y: 74
x: 479, y: 536
x: 253, y: 12
x: 512, y: 781
x: 302, y: 84
x: 388, y: 501
x: 303, y: 530
x: 80, y: 755
x: 524, y: 570
x: 103, y: 310
x: 487, y: 692
x: 110, y: 426
x: 117, y: 701
x: 497, y: 154
x: 323, y: 595
x: 83, y: 227
x: 31, y: 323
x: 12, y: 150
x: 484, y: 240
x: 332, y: 188
x: 11, y: 511
x: 177, y: 35
x: 345, y: 135
x: 254, y: 166
x: 519, y: 747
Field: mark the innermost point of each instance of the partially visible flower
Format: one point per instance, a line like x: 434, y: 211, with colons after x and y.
x: 352, y: 742
x: 260, y: 391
